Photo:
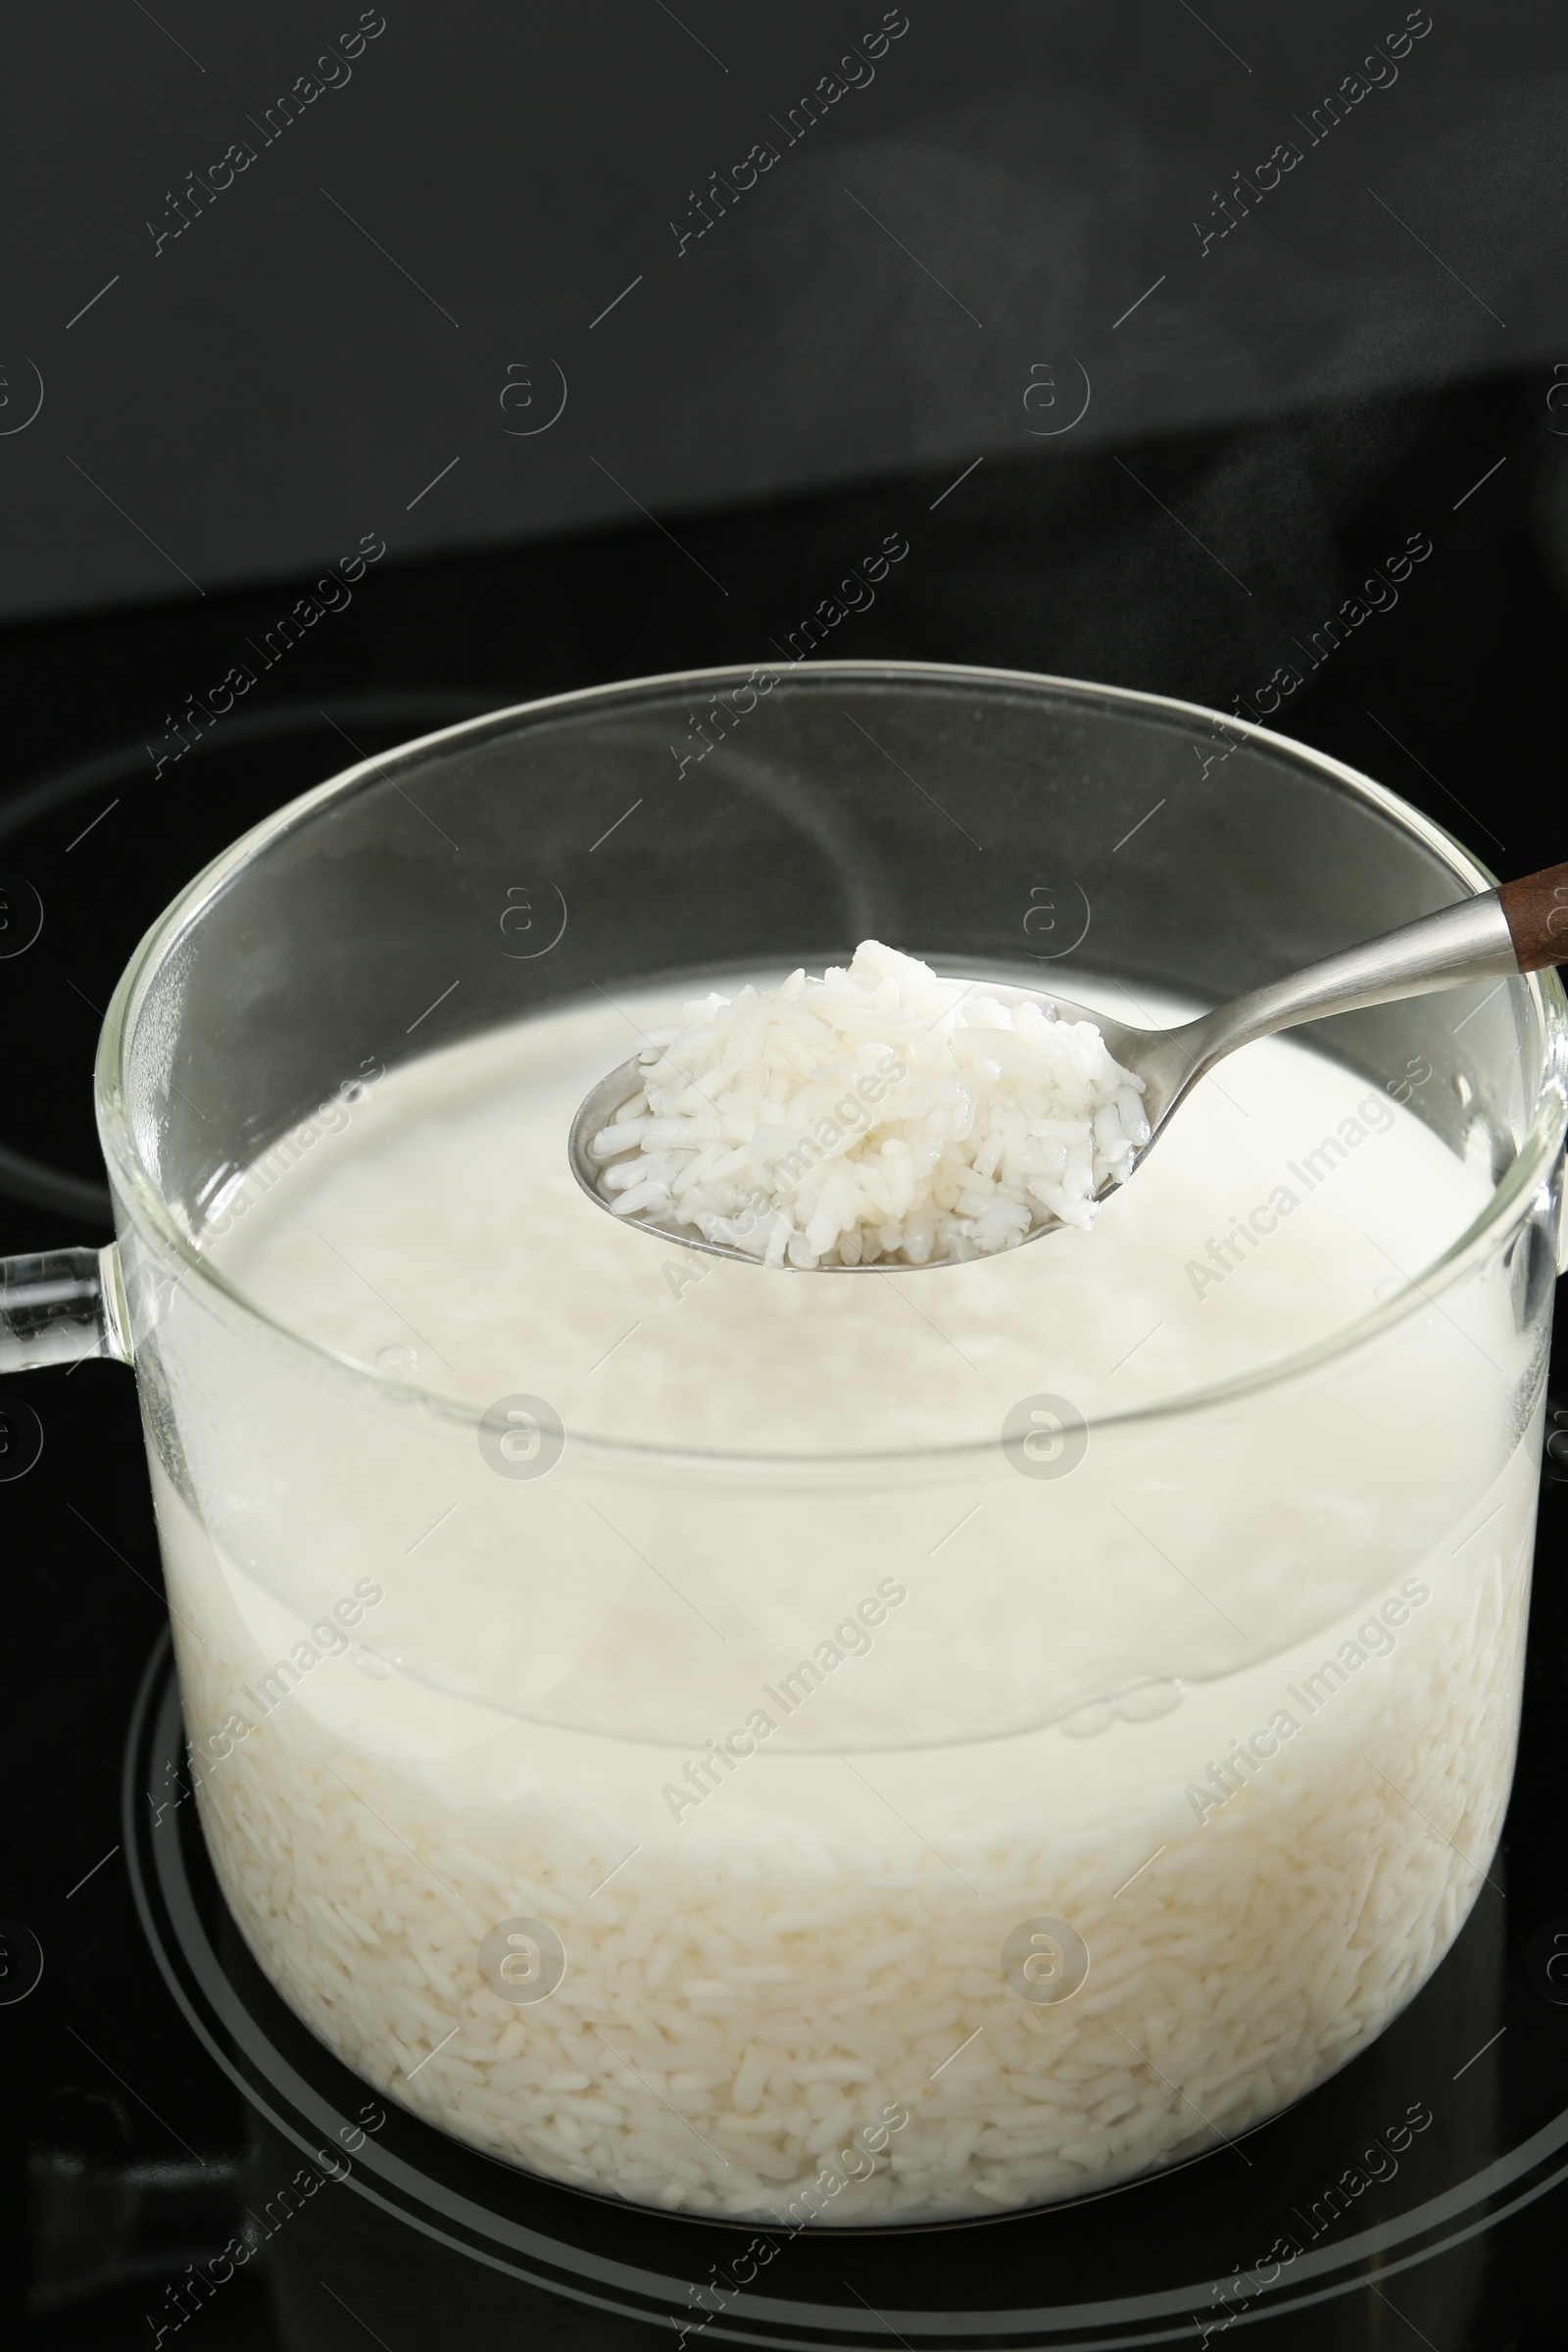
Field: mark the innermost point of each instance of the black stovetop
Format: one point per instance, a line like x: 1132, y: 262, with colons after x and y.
x: 161, y: 2096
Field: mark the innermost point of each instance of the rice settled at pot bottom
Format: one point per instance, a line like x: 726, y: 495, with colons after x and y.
x: 877, y: 1113
x: 750, y: 1997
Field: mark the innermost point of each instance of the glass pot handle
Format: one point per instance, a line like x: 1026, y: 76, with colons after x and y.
x: 60, y: 1307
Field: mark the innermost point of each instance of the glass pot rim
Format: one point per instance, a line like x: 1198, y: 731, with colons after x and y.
x: 143, y: 1199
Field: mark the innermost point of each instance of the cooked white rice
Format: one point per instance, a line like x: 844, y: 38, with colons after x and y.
x: 745, y: 1992
x: 880, y: 1112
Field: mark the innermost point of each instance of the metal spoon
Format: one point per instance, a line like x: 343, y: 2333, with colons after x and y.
x: 1520, y: 927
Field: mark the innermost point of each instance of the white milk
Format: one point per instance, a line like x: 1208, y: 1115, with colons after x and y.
x: 784, y: 1750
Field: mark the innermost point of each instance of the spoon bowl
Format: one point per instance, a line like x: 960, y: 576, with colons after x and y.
x: 599, y: 1109
x: 1521, y: 927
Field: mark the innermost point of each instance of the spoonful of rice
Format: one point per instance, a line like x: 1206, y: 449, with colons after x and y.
x: 885, y: 1117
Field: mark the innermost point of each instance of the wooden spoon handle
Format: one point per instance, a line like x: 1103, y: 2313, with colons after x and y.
x: 1537, y: 912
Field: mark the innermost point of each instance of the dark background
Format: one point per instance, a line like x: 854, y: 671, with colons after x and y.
x: 238, y: 407
x: 296, y: 364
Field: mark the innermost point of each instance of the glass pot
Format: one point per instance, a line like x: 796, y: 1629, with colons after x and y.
x: 1115, y: 1857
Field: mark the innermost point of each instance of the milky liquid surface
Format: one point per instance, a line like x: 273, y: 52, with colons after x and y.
x: 444, y: 1230
x: 777, y: 1939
